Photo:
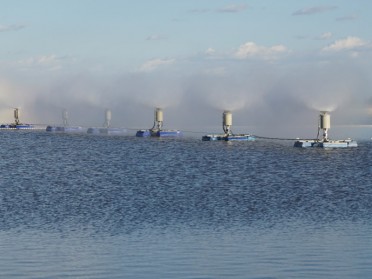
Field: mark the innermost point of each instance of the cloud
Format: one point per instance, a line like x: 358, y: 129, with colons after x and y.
x: 325, y: 36
x: 300, y: 37
x: 210, y: 51
x: 46, y: 61
x: 349, y: 43
x: 49, y: 62
x: 314, y: 10
x: 155, y: 37
x: 252, y: 50
x: 234, y: 8
x: 347, y: 18
x: 199, y: 11
x: 153, y: 64
x: 13, y: 27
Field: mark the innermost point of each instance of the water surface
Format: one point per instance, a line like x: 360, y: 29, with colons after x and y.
x: 85, y: 206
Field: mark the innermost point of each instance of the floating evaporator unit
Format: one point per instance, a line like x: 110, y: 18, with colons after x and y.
x: 65, y: 128
x: 17, y: 125
x: 106, y: 129
x: 228, y: 134
x: 157, y: 129
x: 324, y: 141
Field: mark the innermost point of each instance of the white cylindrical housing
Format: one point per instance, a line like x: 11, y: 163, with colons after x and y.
x: 227, y: 118
x: 158, y: 115
x: 65, y: 114
x: 107, y: 123
x: 325, y: 120
x: 65, y: 117
x: 108, y: 115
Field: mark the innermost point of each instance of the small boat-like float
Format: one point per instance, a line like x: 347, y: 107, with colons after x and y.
x: 106, y: 129
x: 65, y: 127
x: 228, y: 134
x: 17, y: 125
x: 157, y: 130
x: 325, y: 142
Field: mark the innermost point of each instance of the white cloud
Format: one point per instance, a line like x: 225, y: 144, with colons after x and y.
x: 326, y: 36
x: 13, y: 27
x: 155, y: 37
x: 210, y: 51
x: 234, y: 8
x: 348, y: 43
x: 314, y: 10
x: 199, y: 11
x: 49, y: 62
x: 153, y: 64
x: 347, y: 18
x: 251, y: 50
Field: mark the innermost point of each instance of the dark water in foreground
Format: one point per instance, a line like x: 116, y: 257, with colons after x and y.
x: 80, y: 206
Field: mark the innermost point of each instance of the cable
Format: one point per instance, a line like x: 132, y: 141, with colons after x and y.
x: 194, y: 132
x: 270, y: 138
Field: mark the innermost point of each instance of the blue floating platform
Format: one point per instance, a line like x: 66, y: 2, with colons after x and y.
x: 212, y: 137
x: 240, y: 138
x: 54, y: 129
x: 158, y: 133
x: 63, y: 129
x: 106, y: 131
x: 228, y: 138
x: 326, y: 144
x: 166, y: 133
x: 17, y: 127
x: 143, y: 133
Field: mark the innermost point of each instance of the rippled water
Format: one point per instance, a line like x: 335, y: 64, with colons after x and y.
x: 83, y: 206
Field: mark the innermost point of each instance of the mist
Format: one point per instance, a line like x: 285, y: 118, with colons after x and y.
x: 275, y: 99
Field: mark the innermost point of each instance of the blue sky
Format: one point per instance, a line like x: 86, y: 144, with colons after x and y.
x: 257, y: 58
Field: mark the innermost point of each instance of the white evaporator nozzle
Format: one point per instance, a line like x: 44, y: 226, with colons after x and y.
x: 65, y: 117
x: 107, y: 118
x: 325, y: 123
x: 158, y: 118
x: 227, y: 122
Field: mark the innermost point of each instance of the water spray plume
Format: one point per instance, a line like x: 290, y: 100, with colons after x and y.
x: 369, y: 111
x: 226, y: 101
x: 233, y: 105
x: 323, y: 107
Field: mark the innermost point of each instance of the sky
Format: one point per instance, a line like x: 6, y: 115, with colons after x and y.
x: 274, y: 64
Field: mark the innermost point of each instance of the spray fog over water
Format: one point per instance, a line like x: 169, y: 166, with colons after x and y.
x: 267, y: 98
